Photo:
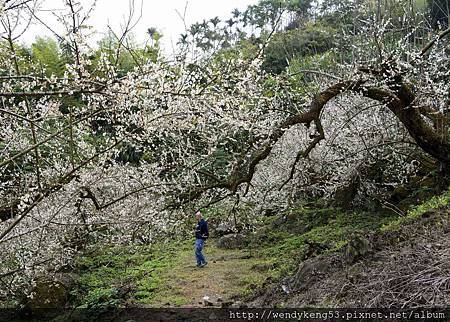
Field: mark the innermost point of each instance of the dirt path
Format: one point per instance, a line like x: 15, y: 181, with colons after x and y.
x: 229, y: 273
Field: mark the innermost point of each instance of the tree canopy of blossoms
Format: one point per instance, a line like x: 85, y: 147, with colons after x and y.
x: 94, y: 154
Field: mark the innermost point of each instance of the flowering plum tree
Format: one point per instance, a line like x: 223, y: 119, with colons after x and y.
x: 94, y: 154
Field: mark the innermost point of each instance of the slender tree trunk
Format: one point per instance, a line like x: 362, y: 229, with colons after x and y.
x: 29, y: 115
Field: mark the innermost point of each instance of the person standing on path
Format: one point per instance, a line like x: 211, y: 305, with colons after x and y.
x: 201, y: 234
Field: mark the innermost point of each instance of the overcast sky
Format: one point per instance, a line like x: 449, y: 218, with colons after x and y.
x: 155, y: 13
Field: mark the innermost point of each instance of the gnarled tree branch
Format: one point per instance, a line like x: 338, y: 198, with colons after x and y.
x: 398, y: 98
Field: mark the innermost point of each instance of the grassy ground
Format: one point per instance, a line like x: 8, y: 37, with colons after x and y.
x: 119, y: 275
x: 325, y: 231
x: 436, y: 202
x: 400, y: 263
x: 229, y: 273
x: 165, y: 274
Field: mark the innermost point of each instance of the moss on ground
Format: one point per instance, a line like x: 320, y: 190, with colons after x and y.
x: 119, y: 275
x: 436, y: 202
x: 329, y: 231
x: 229, y: 273
x: 165, y: 274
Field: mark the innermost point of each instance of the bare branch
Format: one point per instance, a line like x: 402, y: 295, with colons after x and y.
x: 431, y: 43
x: 52, y: 93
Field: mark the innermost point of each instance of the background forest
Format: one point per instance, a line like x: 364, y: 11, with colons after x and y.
x: 312, y: 134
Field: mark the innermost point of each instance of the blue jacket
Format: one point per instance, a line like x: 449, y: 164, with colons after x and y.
x: 201, y: 231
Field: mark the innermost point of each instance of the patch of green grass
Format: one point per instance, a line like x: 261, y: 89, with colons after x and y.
x: 165, y: 273
x: 176, y: 300
x: 249, y: 284
x: 112, y: 276
x: 101, y: 298
x: 336, y: 231
x: 230, y: 273
x: 330, y: 228
x: 434, y: 203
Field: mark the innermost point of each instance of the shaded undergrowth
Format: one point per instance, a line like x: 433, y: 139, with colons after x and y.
x: 164, y: 274
x: 122, y: 275
x: 323, y: 231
